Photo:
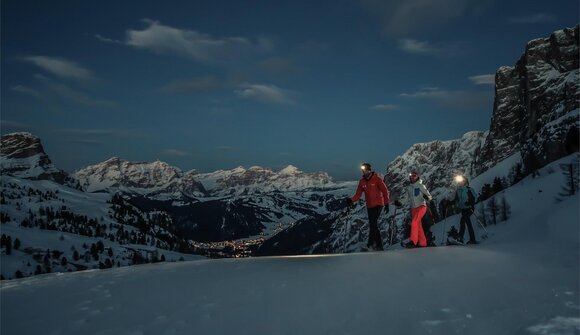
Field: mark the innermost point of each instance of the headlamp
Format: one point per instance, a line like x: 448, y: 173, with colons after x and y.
x: 459, y: 179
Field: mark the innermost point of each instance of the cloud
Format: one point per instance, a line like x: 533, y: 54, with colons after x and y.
x: 263, y: 93
x: 534, y: 18
x: 200, y: 84
x: 60, y: 67
x: 417, y: 47
x: 483, y: 79
x: 175, y: 152
x: 400, y: 18
x: 385, y: 108
x: 200, y: 47
x: 108, y: 40
x: 454, y: 99
x: 65, y: 92
x: 26, y: 90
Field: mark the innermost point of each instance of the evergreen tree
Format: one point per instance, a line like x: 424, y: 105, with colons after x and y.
x: 64, y: 261
x: 9, y: 245
x: 493, y: 209
x: 482, y: 214
x: 76, y: 255
x: 497, y: 185
x: 571, y: 173
x: 505, y: 209
x: 16, y: 244
x: 19, y: 274
x: 486, y: 192
x: 38, y: 270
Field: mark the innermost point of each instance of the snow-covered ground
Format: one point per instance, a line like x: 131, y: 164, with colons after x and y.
x: 523, y: 279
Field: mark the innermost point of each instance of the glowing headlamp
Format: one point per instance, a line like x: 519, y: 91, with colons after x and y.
x: 362, y: 167
x: 459, y: 179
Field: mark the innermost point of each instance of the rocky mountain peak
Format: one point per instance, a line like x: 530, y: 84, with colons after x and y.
x: 22, y: 155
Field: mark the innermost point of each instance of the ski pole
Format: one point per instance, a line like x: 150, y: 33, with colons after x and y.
x: 392, y: 226
x: 443, y: 232
x: 346, y: 221
x: 482, y: 226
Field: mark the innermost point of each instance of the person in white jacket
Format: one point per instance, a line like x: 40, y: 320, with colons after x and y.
x: 417, y: 196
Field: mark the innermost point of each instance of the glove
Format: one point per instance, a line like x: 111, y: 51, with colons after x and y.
x: 348, y: 202
x: 386, y: 208
x: 398, y: 203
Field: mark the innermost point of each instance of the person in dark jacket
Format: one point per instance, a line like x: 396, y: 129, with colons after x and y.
x: 465, y: 199
x: 376, y: 197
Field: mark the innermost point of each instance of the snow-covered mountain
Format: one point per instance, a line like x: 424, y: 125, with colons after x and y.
x: 437, y: 161
x: 22, y: 155
x: 157, y: 179
x: 536, y: 114
x: 536, y: 103
x: 242, y: 181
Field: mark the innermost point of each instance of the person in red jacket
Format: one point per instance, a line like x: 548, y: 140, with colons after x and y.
x: 376, y: 197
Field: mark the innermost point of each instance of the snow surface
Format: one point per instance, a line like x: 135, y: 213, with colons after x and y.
x: 524, y: 279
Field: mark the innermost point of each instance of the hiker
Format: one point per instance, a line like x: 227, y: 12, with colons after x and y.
x: 465, y: 199
x: 417, y: 196
x: 376, y: 197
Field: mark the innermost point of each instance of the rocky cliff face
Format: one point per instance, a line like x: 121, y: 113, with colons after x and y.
x: 437, y: 161
x: 536, y: 102
x: 22, y: 155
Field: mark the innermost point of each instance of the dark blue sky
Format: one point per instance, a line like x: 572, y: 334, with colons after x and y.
x: 323, y: 85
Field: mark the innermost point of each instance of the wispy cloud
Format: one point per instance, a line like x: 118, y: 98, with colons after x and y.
x: 400, y: 18
x: 417, y: 47
x: 69, y: 94
x: 483, y: 79
x: 385, y: 108
x: 176, y: 153
x: 60, y: 67
x: 195, y: 45
x: 200, y: 84
x: 264, y: 93
x: 454, y: 99
x: 533, y: 18
x: 108, y: 40
x: 26, y: 90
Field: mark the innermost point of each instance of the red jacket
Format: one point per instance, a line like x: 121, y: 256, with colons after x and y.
x: 375, y: 190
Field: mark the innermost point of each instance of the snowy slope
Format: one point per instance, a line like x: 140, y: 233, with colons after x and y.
x: 523, y: 280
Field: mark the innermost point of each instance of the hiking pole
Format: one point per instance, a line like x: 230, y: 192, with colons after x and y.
x: 443, y: 231
x: 486, y: 235
x: 392, y: 226
x: 346, y: 221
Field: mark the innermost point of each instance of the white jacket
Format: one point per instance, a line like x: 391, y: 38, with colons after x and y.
x: 417, y: 193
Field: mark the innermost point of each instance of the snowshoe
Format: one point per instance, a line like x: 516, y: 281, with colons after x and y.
x: 452, y: 241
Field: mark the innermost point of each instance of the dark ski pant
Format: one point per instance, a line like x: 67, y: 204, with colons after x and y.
x: 466, y: 220
x: 375, y: 239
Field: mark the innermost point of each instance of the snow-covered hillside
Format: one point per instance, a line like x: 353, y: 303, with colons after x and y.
x: 524, y: 279
x: 58, y: 229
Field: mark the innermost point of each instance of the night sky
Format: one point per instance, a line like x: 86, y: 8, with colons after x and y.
x: 208, y: 85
